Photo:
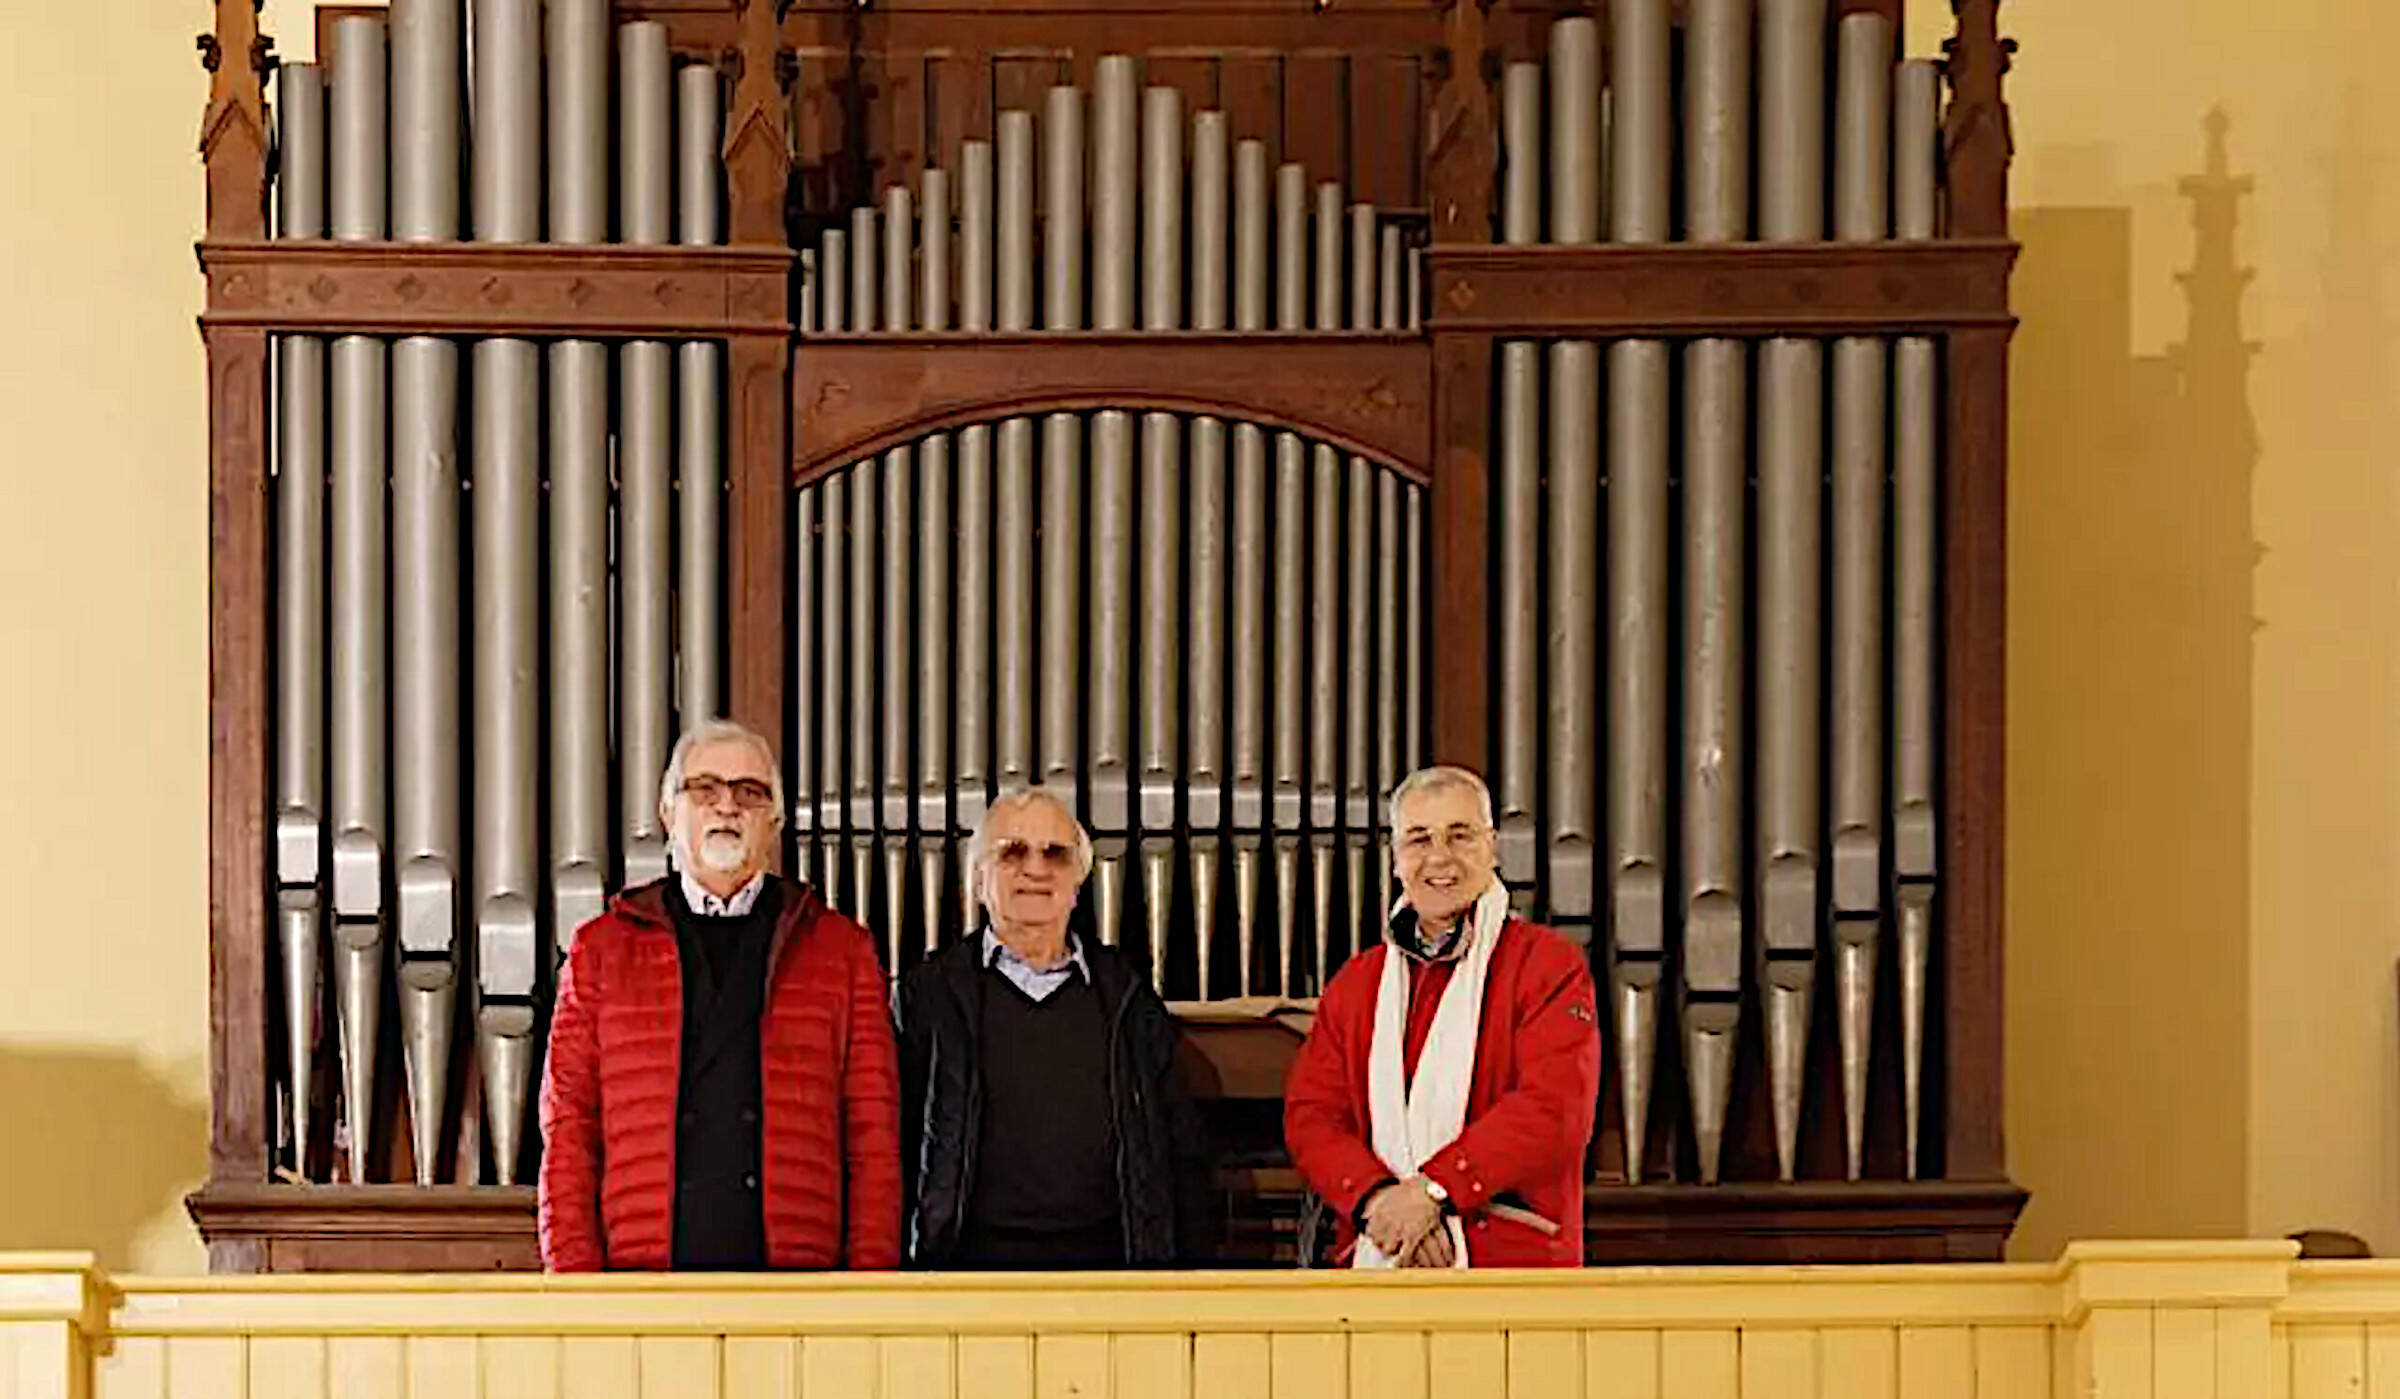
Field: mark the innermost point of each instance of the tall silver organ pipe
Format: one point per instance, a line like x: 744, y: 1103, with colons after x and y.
x: 1862, y: 213
x: 896, y: 550
x: 1915, y: 564
x: 1164, y: 521
x: 700, y: 461
x: 1790, y: 560
x: 506, y: 534
x: 1716, y: 467
x: 1516, y: 571
x: 427, y: 118
x: 1571, y: 624
x: 1205, y: 682
x: 1108, y: 682
x: 1248, y: 766
x: 1639, y: 519
x: 360, y: 610
x: 935, y: 704
x: 300, y: 812
x: 645, y: 463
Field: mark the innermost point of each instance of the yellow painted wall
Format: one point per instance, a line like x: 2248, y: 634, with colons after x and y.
x: 2202, y: 999
x: 103, y: 631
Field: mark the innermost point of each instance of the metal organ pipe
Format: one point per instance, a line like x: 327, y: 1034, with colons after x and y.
x: 427, y: 111
x: 699, y: 115
x: 507, y: 626
x: 1163, y: 523
x: 300, y: 812
x: 934, y: 693
x: 1205, y: 690
x: 896, y: 549
x: 1248, y: 768
x: 1572, y: 621
x: 645, y: 463
x: 1917, y: 121
x: 1110, y: 657
x: 1862, y: 213
x: 1290, y: 611
x: 1517, y: 569
x: 1790, y: 533
x: 359, y: 632
x: 1717, y: 85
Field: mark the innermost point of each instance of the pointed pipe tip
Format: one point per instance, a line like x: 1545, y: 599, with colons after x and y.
x: 1854, y: 1001
x: 426, y: 1012
x: 1636, y: 988
x: 1787, y: 992
x: 505, y: 1049
x: 358, y: 999
x: 298, y: 925
x: 1708, y: 1038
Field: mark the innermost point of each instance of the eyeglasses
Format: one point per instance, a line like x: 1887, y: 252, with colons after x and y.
x: 1058, y: 855
x: 1418, y: 843
x: 749, y: 793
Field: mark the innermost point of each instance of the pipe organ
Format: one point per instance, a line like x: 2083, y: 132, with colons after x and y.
x: 1213, y: 413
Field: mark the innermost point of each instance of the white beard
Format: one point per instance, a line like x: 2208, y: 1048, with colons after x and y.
x: 722, y: 852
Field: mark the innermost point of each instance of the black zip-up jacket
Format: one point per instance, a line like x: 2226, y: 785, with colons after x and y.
x: 1162, y: 1162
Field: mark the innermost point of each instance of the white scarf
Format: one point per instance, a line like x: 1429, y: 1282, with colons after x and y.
x: 1409, y: 1121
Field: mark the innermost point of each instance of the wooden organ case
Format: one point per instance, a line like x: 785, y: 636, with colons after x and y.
x: 1216, y: 408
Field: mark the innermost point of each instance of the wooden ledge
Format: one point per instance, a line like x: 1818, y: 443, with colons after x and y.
x: 531, y: 289
x: 1611, y: 291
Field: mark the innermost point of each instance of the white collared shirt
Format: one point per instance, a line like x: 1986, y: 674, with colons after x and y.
x: 708, y: 905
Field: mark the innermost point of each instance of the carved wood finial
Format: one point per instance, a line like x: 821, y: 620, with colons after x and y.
x: 233, y: 129
x: 757, y: 142
x: 1976, y: 138
x: 1461, y: 143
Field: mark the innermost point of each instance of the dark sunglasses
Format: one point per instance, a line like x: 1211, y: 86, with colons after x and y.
x: 1058, y: 855
x: 749, y: 793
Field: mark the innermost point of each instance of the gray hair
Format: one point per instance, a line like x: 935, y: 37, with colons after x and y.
x: 1441, y: 779
x: 979, y: 845
x: 670, y: 785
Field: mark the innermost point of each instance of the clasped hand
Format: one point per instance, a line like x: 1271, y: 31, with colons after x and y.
x: 1406, y: 1222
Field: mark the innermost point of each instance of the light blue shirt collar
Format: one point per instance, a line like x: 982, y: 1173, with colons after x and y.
x: 1036, y: 982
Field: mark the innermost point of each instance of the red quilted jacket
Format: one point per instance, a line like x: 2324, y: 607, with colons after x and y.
x: 1530, y: 1102
x: 830, y: 1139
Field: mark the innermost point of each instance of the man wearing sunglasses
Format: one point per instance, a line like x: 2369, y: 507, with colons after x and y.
x: 1044, y: 1124
x: 1443, y: 1100
x: 721, y: 1092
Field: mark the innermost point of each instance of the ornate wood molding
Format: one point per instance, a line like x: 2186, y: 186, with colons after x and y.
x: 1367, y: 393
x: 1673, y: 289
x: 493, y: 289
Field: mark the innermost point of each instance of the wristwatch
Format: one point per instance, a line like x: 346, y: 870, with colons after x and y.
x: 1434, y: 1188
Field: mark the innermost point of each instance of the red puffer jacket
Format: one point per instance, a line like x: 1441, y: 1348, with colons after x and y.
x: 830, y: 1141
x: 1530, y: 1102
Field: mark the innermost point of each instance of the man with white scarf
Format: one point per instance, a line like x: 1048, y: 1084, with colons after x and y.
x: 1443, y: 1101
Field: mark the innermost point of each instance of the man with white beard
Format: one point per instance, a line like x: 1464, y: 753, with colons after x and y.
x: 722, y: 1089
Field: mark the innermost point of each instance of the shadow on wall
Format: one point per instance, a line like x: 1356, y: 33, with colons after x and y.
x: 2131, y: 560
x: 100, y: 1146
